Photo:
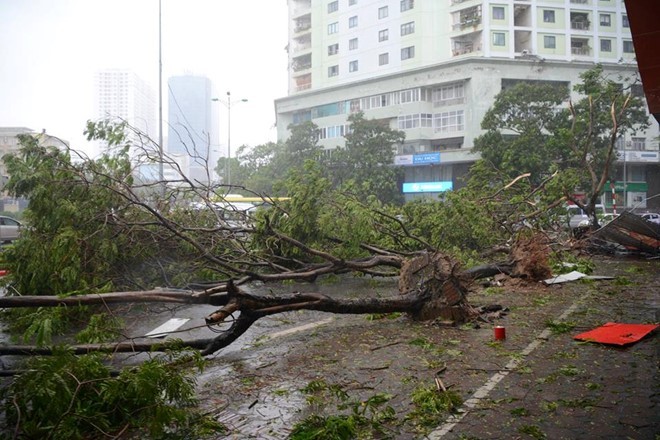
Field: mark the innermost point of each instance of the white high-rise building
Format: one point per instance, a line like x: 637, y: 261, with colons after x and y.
x: 123, y: 95
x: 432, y: 68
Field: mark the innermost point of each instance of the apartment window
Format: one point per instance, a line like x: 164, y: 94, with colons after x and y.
x: 383, y: 12
x: 333, y: 49
x: 410, y: 95
x: 624, y: 20
x: 549, y: 42
x: 353, y: 66
x: 408, y: 52
x: 548, y: 16
x: 353, y: 21
x: 605, y: 45
x: 499, y: 39
x: 498, y: 12
x: 448, y: 121
x: 605, y: 20
x: 332, y: 28
x: 383, y: 58
x: 383, y: 35
x: 426, y: 120
x: 407, y: 4
x: 333, y: 6
x: 333, y: 70
x: 639, y: 144
x: 407, y: 28
x: 628, y: 46
x: 352, y: 2
x: 450, y: 94
x: 406, y: 122
x: 352, y: 44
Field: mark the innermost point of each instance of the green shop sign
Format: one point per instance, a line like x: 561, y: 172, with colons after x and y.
x: 630, y: 187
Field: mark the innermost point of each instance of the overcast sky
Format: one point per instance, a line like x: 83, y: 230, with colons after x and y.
x: 50, y: 49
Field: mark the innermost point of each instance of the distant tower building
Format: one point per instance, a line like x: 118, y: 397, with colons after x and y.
x: 193, y: 123
x: 432, y: 68
x: 121, y: 94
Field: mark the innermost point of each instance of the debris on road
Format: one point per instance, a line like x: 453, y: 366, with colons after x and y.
x: 616, y: 333
x: 574, y: 276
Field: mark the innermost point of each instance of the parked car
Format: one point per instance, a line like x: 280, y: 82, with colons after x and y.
x: 10, y: 229
x: 651, y: 217
x: 578, y: 219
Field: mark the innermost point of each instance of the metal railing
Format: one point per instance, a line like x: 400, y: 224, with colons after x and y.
x: 580, y: 25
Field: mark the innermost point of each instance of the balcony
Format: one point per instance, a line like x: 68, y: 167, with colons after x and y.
x: 581, y: 51
x: 301, y: 63
x: 580, y: 25
x: 465, y: 47
x: 303, y: 82
x: 302, y: 27
x: 470, y: 22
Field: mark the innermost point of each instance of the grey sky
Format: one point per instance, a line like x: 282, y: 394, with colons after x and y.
x: 50, y: 49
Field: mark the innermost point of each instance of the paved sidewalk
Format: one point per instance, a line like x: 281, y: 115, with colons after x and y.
x: 559, y: 388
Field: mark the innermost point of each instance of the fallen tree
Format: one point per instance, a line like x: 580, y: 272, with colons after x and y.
x: 115, y: 231
x: 431, y: 286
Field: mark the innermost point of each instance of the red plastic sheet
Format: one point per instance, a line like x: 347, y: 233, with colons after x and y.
x: 616, y: 333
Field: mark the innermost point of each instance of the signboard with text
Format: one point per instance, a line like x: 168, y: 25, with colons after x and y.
x: 421, y: 187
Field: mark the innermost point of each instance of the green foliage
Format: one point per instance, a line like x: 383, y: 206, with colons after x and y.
x: 531, y: 112
x: 365, y: 162
x: 363, y: 419
x: 432, y: 405
x: 265, y: 166
x: 560, y: 327
x: 533, y: 431
x: 379, y: 316
x: 530, y: 131
x: 68, y: 246
x: 462, y: 224
x: 74, y: 397
x: 566, y: 262
x: 102, y: 327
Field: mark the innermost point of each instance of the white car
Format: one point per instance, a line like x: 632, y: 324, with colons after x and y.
x: 9, y: 229
x: 651, y: 217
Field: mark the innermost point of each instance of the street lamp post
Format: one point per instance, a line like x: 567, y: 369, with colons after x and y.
x: 227, y: 104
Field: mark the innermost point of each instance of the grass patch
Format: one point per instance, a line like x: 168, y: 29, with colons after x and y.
x: 422, y: 342
x: 490, y: 291
x: 354, y: 418
x: 623, y: 281
x: 533, y: 431
x: 520, y: 412
x: 378, y: 316
x: 577, y: 403
x: 549, y: 406
x: 570, y: 370
x: 432, y: 405
x: 560, y: 327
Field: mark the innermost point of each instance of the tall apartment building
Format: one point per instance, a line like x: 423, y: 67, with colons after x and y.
x: 193, y: 124
x: 123, y: 95
x: 432, y: 68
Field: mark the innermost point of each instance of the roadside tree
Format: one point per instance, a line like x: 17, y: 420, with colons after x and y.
x: 566, y: 147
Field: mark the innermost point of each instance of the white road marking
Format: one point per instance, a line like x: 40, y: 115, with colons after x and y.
x: 495, y: 379
x: 300, y: 328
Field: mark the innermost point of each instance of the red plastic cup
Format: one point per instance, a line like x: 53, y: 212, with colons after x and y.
x: 499, y: 333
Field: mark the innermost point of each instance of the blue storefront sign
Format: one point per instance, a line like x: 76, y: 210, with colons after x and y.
x: 426, y: 158
x: 420, y: 187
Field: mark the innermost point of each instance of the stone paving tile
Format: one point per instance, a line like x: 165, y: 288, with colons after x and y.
x: 573, y: 390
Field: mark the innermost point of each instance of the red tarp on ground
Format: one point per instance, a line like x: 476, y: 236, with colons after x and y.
x: 616, y: 333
